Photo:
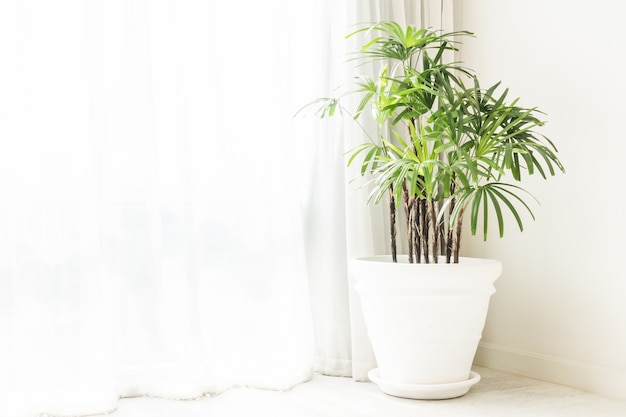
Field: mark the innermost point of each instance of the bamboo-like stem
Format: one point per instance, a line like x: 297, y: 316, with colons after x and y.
x: 392, y: 225
x: 457, y: 236
x: 450, y: 232
x: 443, y: 242
x: 425, y: 229
x: 449, y: 238
x: 407, y: 214
x: 434, y: 226
x: 416, y: 230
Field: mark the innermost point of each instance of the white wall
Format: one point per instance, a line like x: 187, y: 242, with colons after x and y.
x: 560, y: 308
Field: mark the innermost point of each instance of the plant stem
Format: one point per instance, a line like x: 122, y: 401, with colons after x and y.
x: 392, y: 224
x: 450, y: 238
x: 435, y: 229
x: 425, y: 229
x: 458, y: 227
x: 407, y: 214
x: 416, y: 229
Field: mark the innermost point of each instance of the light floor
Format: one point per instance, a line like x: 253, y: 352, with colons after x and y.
x: 497, y: 394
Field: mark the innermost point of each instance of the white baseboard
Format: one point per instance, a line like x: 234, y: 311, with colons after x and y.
x: 601, y: 380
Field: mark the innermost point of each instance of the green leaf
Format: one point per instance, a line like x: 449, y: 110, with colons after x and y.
x: 498, y: 210
x: 500, y: 191
x: 475, y: 210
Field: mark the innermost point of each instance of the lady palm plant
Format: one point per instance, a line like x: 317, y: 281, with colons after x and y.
x: 444, y: 146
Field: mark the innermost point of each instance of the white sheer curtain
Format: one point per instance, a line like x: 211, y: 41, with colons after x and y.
x: 151, y: 197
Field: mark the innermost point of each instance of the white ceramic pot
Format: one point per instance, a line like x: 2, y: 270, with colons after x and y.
x: 424, y: 320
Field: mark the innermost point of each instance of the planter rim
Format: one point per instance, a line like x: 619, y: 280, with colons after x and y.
x: 379, y: 273
x: 403, y: 260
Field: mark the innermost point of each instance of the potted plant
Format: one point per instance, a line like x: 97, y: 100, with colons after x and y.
x: 445, y: 150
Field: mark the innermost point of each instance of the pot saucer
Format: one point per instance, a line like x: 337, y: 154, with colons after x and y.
x: 424, y: 391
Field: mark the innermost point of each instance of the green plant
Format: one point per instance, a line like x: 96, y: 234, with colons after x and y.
x: 444, y: 146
